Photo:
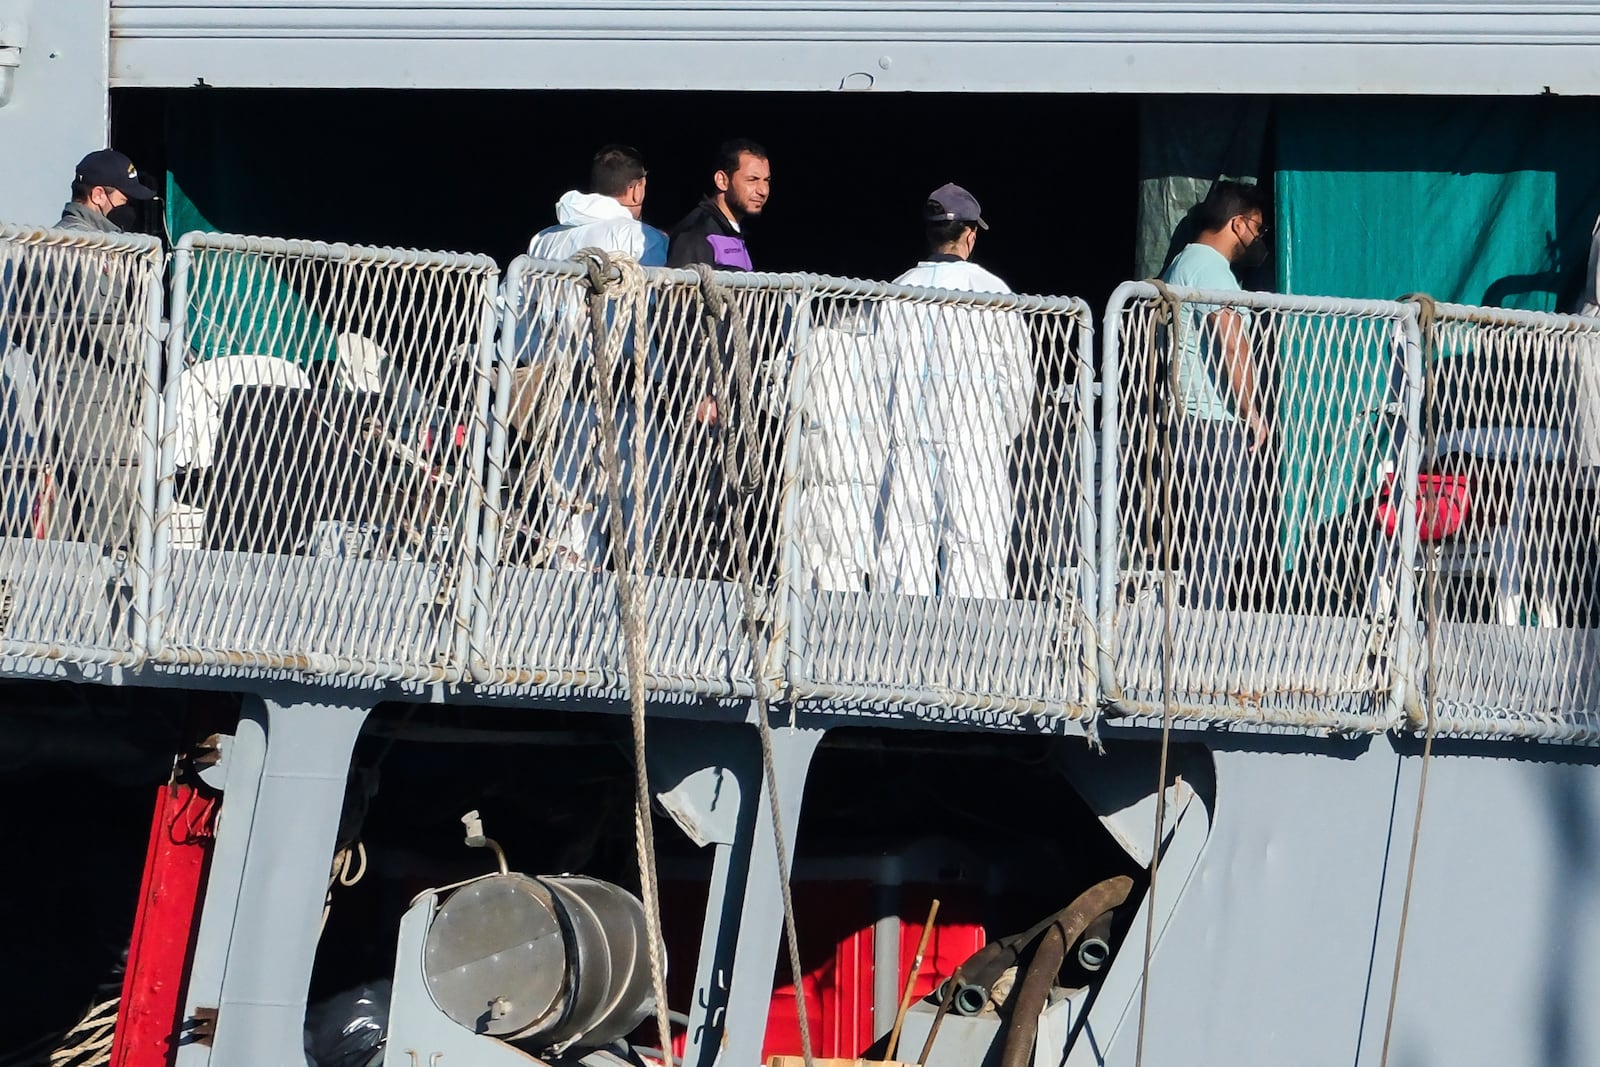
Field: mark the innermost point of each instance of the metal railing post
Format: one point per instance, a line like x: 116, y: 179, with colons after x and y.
x: 788, y: 647
x: 1405, y: 661
x: 160, y: 598
x: 471, y: 603
x: 1110, y: 524
x: 1084, y: 569
x: 149, y: 461
x: 511, y: 295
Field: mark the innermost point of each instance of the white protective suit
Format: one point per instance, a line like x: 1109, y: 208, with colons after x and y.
x: 578, y: 528
x: 961, y: 386
x: 844, y: 449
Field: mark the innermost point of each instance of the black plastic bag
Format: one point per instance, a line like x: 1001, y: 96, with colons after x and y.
x: 349, y: 1028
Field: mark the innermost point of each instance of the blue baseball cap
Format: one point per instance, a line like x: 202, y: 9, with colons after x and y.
x: 951, y: 203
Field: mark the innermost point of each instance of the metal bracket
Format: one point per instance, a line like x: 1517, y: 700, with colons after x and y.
x: 13, y: 39
x: 210, y: 760
x: 199, y: 1028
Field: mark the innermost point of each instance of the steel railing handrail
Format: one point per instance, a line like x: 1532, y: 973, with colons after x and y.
x: 1095, y: 506
x: 356, y: 254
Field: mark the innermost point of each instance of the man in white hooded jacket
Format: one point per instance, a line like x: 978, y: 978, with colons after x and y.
x: 576, y: 528
x: 606, y: 217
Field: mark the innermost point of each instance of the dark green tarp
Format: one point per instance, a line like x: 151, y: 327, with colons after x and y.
x: 215, y: 174
x: 1471, y: 201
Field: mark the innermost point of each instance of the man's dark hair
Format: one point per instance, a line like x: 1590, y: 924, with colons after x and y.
x: 80, y: 191
x: 615, y: 167
x: 1224, y: 201
x: 729, y: 152
x: 945, y: 232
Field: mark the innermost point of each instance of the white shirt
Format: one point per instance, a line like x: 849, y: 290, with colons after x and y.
x: 953, y: 274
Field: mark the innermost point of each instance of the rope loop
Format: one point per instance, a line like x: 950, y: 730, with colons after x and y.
x: 741, y: 465
x: 1170, y: 315
x: 740, y: 435
x: 1428, y: 327
x: 607, y: 274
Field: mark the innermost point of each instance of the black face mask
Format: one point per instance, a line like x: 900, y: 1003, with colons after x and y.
x: 1254, y: 254
x: 127, y: 217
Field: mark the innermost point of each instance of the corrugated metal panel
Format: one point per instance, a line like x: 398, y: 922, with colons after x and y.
x: 979, y: 45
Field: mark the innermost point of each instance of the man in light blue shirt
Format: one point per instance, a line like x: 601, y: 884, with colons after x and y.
x: 1215, y: 424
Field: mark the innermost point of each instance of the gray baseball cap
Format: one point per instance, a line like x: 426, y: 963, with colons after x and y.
x: 951, y: 203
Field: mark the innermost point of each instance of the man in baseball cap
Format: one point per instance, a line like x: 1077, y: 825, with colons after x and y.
x: 952, y: 219
x: 105, y: 183
x: 967, y: 369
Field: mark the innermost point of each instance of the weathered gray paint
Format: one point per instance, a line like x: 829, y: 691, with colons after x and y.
x: 243, y: 757
x: 1282, y: 943
x: 711, y: 775
x: 1298, y: 46
x: 1277, y: 906
x: 58, y: 109
x: 276, y: 924
x: 761, y: 918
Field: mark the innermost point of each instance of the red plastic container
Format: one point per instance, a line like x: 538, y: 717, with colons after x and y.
x: 1442, y: 504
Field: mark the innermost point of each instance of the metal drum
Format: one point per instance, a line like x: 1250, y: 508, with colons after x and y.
x: 549, y: 962
x: 610, y: 965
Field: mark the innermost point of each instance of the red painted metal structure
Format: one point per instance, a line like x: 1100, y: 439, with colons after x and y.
x: 181, y: 834
x: 837, y: 950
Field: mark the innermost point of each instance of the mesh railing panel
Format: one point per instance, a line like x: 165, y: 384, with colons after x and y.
x: 706, y: 454
x: 79, y: 354
x: 819, y: 455
x: 323, y: 432
x: 939, y: 529
x: 1250, y: 439
x: 1511, y: 571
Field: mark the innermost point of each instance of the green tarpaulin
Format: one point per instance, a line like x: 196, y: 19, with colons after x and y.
x: 1470, y: 201
x: 240, y: 306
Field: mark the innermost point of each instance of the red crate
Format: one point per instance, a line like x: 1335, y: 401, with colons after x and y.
x: 1442, y: 504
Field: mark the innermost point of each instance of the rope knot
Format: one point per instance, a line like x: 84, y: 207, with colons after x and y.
x: 711, y: 294
x: 1171, y: 302
x: 598, y: 266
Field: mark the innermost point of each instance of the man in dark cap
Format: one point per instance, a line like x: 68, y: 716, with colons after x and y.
x: 104, y: 187
x: 85, y: 355
x: 961, y: 383
x: 952, y: 219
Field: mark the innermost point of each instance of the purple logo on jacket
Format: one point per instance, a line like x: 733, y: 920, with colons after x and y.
x: 729, y: 252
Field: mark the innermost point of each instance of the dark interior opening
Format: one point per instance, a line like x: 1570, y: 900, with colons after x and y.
x: 481, y: 171
x: 991, y: 825
x: 82, y: 771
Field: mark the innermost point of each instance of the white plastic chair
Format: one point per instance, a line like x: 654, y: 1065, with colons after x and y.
x: 360, y: 363
x: 203, y: 390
